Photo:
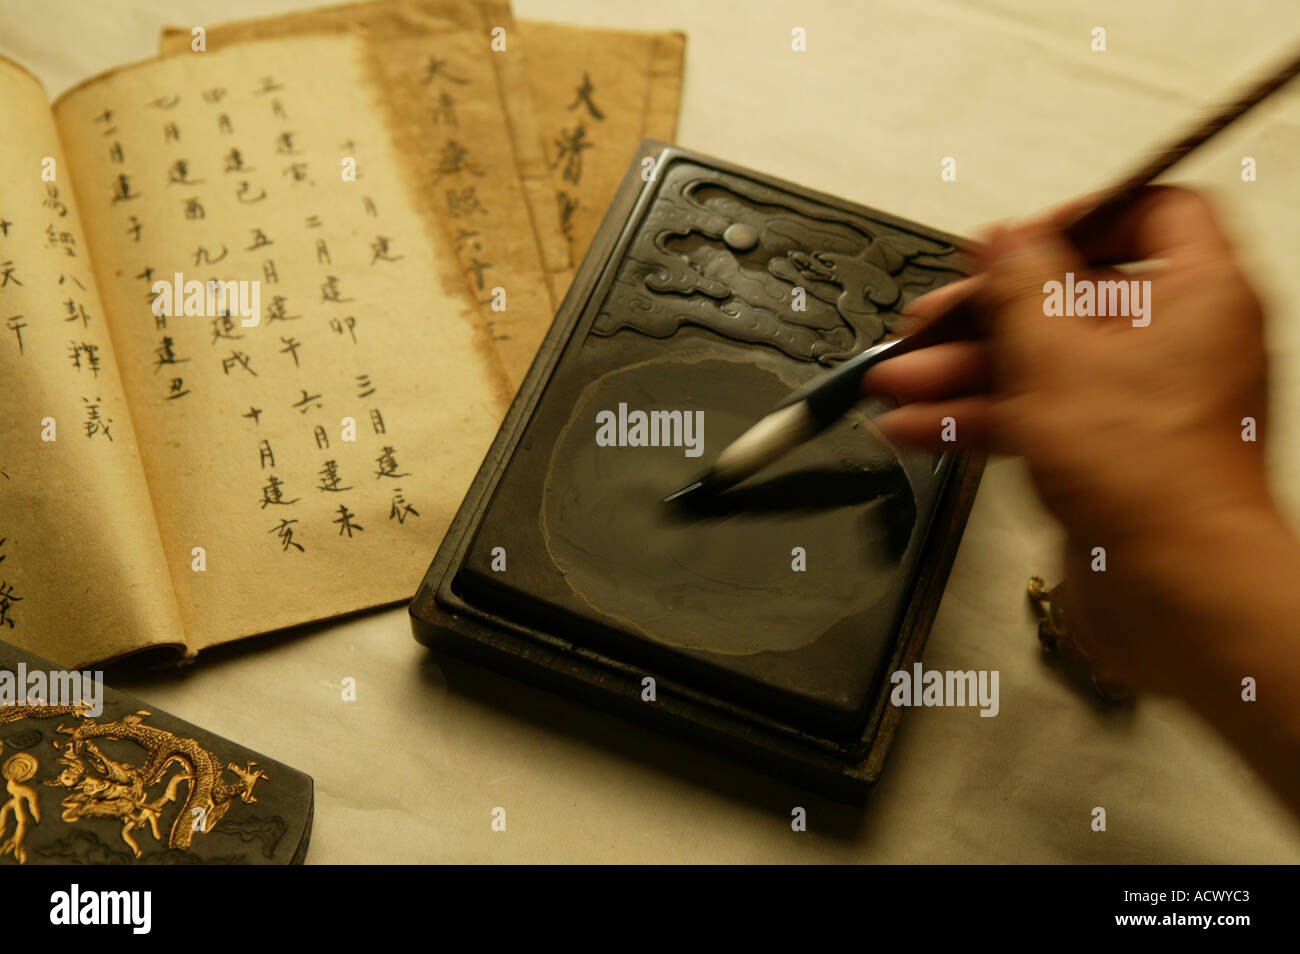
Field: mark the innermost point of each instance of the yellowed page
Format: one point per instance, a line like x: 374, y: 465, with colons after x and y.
x: 234, y: 165
x: 82, y: 577
x: 462, y: 103
x: 598, y: 93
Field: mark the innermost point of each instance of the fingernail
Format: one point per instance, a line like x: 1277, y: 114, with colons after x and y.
x: 884, y: 421
x: 876, y: 394
x: 909, y: 310
x: 989, y: 251
x: 1014, y: 243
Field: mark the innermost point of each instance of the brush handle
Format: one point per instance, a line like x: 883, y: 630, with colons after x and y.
x: 1115, y: 201
x: 828, y: 396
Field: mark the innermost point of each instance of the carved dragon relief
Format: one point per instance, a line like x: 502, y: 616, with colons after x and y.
x: 98, y: 786
x: 762, y: 266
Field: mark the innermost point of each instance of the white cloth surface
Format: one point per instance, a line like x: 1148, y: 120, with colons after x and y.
x: 412, y: 770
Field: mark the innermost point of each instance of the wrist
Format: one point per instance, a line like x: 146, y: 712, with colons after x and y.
x: 1230, y: 581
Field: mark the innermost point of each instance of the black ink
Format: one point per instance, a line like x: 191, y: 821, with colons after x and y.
x: 584, y: 98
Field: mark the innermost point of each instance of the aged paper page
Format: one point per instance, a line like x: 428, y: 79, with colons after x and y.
x: 598, y: 94
x: 587, y: 787
x: 82, y: 577
x: 463, y: 108
x: 584, y: 786
x: 317, y: 455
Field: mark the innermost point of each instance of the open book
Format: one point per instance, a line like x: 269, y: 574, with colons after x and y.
x: 181, y: 471
x: 262, y: 306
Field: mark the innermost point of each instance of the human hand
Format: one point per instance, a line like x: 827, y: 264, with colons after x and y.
x: 1133, y: 433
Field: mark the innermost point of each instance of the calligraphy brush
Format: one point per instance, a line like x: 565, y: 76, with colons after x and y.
x: 816, y: 405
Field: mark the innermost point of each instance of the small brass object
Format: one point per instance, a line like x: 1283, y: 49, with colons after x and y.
x: 1054, y: 635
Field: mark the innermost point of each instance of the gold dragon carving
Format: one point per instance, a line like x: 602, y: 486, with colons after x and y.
x: 98, y: 786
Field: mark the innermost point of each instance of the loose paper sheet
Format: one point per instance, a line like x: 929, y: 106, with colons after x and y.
x: 1009, y: 789
x: 464, y: 113
x: 318, y: 457
x: 598, y: 94
x: 82, y: 575
x: 577, y: 101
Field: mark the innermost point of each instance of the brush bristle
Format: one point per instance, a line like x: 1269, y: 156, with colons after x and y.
x: 692, y: 487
